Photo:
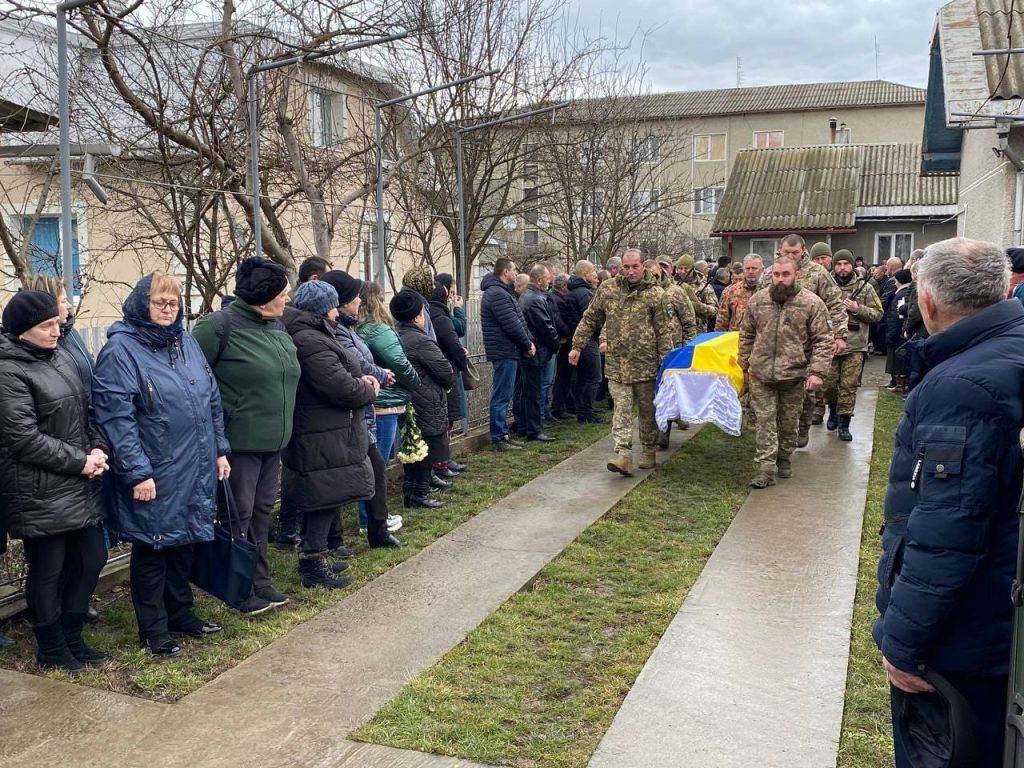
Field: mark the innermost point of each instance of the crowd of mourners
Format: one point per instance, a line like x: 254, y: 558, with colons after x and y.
x: 303, y: 397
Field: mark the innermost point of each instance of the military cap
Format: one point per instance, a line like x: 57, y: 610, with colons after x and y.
x: 686, y: 260
x: 665, y: 261
x: 820, y: 249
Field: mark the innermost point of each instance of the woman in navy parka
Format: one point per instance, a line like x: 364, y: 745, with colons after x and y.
x: 158, y: 406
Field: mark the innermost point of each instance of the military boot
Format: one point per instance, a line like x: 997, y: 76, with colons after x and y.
x: 621, y: 464
x: 763, y: 479
x: 803, y: 437
x: 833, y: 417
x: 785, y: 467
x: 648, y: 460
x: 844, y: 429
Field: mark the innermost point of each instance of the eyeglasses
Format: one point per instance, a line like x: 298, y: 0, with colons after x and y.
x: 162, y: 304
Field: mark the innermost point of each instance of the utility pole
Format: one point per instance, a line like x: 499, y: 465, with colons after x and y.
x: 876, y: 57
x: 739, y: 71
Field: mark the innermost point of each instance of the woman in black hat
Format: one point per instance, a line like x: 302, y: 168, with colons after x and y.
x: 430, y: 400
x: 51, y: 456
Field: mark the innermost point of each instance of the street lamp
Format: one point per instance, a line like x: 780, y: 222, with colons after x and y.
x: 254, y: 134
x: 463, y: 265
x: 378, y: 131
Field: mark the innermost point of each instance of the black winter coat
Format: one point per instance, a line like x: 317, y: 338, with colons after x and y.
x: 576, y: 302
x: 557, y: 301
x: 504, y: 329
x: 914, y: 327
x: 447, y: 337
x: 436, y: 378
x: 895, y: 316
x: 537, y: 311
x: 326, y: 462
x: 45, y: 433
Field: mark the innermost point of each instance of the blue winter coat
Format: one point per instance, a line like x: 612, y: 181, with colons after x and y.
x: 157, y: 404
x: 950, y: 536
x: 501, y: 321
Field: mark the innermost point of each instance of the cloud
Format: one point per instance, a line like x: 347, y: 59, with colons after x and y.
x: 691, y: 45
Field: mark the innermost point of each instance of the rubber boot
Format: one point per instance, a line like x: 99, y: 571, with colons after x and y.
x: 763, y: 479
x: 315, y: 572
x: 621, y: 464
x: 53, y: 651
x: 72, y: 624
x: 784, y: 467
x: 648, y: 460
x: 844, y: 429
x: 833, y: 417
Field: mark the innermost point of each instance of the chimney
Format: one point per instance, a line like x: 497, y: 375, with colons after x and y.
x: 832, y: 124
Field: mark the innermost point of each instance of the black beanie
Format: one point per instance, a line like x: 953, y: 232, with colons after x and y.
x: 258, y: 281
x: 406, y: 305
x: 348, y: 287
x: 27, y: 309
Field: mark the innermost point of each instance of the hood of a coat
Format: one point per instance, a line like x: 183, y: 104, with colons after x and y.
x: 13, y: 348
x: 492, y: 280
x: 137, y: 321
x: 578, y: 282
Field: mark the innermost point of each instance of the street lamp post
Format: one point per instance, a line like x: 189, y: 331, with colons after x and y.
x: 254, y: 134
x: 378, y: 137
x: 463, y: 265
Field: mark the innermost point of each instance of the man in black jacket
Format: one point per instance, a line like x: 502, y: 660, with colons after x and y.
x: 581, y: 286
x: 561, y: 398
x: 505, y: 337
x: 537, y: 312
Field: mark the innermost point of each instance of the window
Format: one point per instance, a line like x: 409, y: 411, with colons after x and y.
x: 709, y: 147
x: 530, y: 197
x: 593, y: 204
x: 647, y: 149
x: 644, y: 201
x: 530, y: 171
x: 44, y: 248
x: 326, y: 117
x: 889, y: 244
x: 531, y: 237
x: 843, y: 134
x: 590, y: 153
x: 768, y: 139
x: 766, y: 249
x: 706, y: 199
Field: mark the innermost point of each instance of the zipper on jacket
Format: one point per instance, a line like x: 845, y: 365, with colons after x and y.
x: 915, y: 477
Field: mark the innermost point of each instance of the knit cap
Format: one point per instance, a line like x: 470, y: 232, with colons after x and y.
x: 348, y: 287
x: 27, y: 309
x: 406, y: 305
x: 317, y: 297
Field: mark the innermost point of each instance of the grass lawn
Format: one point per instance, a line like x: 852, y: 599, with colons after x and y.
x: 131, y: 670
x: 866, y: 739
x: 539, y: 682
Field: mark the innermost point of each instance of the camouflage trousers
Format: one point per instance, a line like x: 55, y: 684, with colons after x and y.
x: 625, y: 396
x: 813, y: 403
x: 776, y: 410
x: 843, y: 381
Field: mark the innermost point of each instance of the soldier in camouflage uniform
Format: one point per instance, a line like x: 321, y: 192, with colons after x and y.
x: 735, y: 298
x: 813, y: 278
x: 785, y: 350
x: 681, y: 304
x: 701, y: 295
x: 863, y: 307
x: 638, y: 325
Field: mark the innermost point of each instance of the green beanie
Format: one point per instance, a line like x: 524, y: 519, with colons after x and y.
x: 843, y: 255
x: 686, y: 260
x: 820, y: 249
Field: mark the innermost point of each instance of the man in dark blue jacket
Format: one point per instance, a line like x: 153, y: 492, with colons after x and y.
x: 587, y: 378
x: 505, y: 337
x: 950, y: 535
x: 536, y: 307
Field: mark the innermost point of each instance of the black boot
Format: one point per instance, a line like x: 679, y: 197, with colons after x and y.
x: 72, y: 624
x: 53, y: 651
x: 419, y: 490
x: 439, y: 484
x: 833, y: 417
x: 844, y: 429
x: 315, y: 573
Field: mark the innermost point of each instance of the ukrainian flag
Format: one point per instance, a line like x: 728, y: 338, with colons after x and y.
x: 701, y: 382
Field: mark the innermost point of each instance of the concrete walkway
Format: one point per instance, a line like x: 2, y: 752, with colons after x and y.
x: 294, y: 702
x: 752, y: 671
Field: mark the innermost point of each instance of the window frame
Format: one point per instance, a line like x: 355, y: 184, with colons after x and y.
x: 769, y: 133
x: 642, y: 147
x: 652, y: 204
x: 767, y: 258
x: 710, y: 136
x: 536, y: 237
x: 319, y: 122
x: 699, y: 198
x: 892, y: 251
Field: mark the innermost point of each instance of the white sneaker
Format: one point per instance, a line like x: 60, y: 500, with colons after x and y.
x: 394, y: 523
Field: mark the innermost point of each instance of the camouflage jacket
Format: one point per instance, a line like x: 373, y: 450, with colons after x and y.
x: 637, y: 323
x: 787, y: 342
x: 870, y: 311
x: 705, y: 302
x: 816, y: 279
x: 732, y: 305
x: 682, y: 308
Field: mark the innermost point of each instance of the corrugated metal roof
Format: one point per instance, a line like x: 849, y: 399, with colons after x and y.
x: 822, y: 188
x: 769, y: 98
x: 1000, y: 31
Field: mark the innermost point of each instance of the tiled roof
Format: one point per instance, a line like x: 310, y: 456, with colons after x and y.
x: 997, y: 28
x: 769, y: 98
x: 823, y: 187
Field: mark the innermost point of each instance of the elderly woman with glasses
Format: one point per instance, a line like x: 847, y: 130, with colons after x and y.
x: 158, y: 405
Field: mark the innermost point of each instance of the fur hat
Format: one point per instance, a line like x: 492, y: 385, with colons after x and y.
x: 317, y: 297
x: 406, y: 305
x: 258, y: 280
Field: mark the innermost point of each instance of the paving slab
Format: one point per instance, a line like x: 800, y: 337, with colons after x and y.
x: 752, y: 670
x: 293, y: 703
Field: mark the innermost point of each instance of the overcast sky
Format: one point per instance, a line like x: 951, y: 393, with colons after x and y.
x: 693, y: 44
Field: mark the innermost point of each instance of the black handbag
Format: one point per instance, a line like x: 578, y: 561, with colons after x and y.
x: 225, y: 566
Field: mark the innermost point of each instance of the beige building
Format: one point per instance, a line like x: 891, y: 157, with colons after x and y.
x: 696, y: 137
x: 118, y: 242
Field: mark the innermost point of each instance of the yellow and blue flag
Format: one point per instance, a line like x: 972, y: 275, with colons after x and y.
x: 700, y: 383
